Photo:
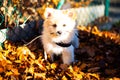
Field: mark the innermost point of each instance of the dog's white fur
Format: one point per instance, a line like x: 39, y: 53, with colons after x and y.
x: 66, y: 24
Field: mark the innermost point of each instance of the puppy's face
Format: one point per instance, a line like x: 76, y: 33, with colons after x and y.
x: 59, y: 24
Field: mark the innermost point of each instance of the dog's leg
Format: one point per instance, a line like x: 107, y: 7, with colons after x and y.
x: 51, y: 56
x: 45, y: 55
x: 75, y: 41
x: 68, y: 55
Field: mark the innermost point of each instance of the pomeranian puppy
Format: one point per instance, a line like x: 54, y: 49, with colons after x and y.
x: 59, y: 34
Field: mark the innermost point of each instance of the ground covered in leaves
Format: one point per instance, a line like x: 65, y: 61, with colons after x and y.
x: 97, y: 58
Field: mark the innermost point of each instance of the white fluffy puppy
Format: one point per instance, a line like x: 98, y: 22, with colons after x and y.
x: 59, y: 34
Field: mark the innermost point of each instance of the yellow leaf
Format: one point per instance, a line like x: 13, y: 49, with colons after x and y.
x: 31, y: 70
x: 17, y: 61
x: 64, y: 78
x: 49, y: 79
x: 28, y: 77
x: 71, y: 69
x: 6, y: 52
x: 94, y: 75
x: 40, y: 75
x: 40, y: 65
x: 15, y: 71
x: 32, y: 55
x: 24, y: 52
x: 9, y: 73
x: 78, y: 76
x: 1, y: 78
x: 1, y: 48
x: 2, y: 57
x: 22, y: 57
x: 55, y: 2
x: 53, y: 65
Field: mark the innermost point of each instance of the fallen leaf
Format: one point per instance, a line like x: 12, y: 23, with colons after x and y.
x: 83, y: 66
x: 1, y: 69
x: 53, y: 66
x: 94, y: 69
x: 15, y: 71
x: 9, y: 73
x: 64, y: 78
x: 40, y: 75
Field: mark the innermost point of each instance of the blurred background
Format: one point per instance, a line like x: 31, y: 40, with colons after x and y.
x: 13, y: 10
x: 24, y: 18
x: 114, y: 10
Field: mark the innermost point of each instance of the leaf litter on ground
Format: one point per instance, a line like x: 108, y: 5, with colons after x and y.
x: 96, y: 58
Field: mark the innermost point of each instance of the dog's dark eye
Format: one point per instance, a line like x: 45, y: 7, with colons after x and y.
x: 54, y: 25
x: 64, y: 25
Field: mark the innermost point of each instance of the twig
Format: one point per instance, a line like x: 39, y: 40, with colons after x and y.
x: 26, y: 19
x: 25, y: 22
x: 32, y: 40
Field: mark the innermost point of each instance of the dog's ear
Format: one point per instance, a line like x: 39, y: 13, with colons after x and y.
x: 48, y: 12
x: 71, y: 13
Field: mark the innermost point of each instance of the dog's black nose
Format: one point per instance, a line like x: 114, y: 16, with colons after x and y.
x: 59, y: 32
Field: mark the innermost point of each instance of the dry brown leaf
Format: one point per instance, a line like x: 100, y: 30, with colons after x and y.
x: 115, y: 78
x: 94, y: 69
x: 93, y: 75
x: 63, y: 66
x: 1, y: 70
x: 16, y: 1
x: 91, y: 51
x: 110, y: 71
x: 4, y: 63
x: 82, y: 66
x: 76, y: 69
x: 9, y: 66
